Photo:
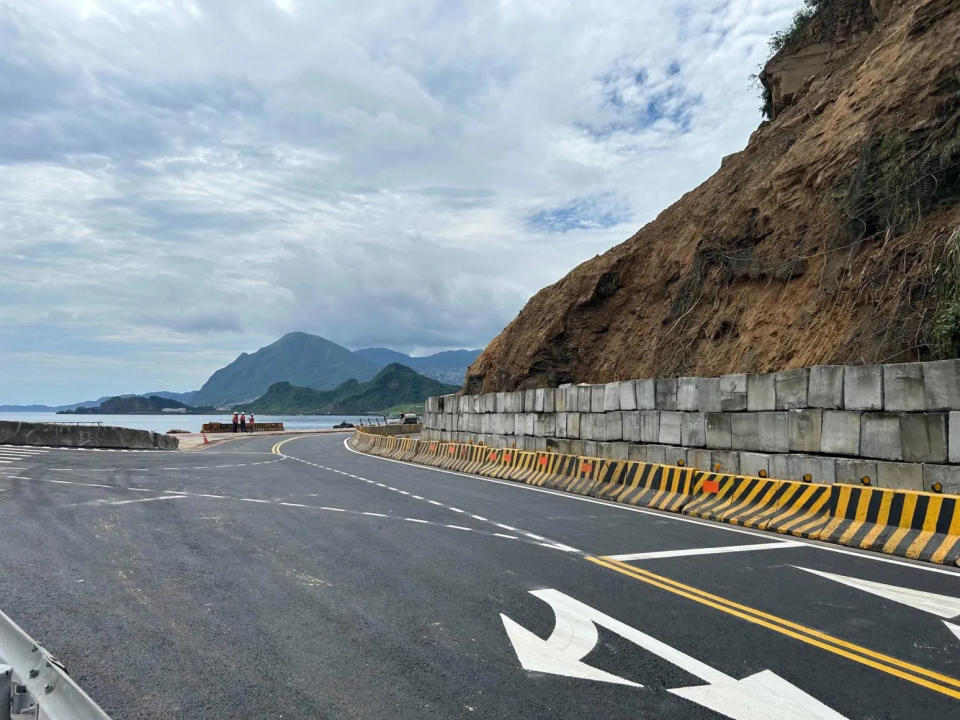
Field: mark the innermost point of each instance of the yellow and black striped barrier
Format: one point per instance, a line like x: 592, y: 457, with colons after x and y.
x: 918, y: 525
x: 907, y: 523
x: 787, y: 506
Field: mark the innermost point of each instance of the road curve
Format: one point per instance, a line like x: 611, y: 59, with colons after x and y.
x: 300, y: 579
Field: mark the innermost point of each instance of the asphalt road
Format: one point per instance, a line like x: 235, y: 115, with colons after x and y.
x: 239, y: 583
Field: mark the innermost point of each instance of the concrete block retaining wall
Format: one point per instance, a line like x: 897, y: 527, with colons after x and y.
x: 898, y: 425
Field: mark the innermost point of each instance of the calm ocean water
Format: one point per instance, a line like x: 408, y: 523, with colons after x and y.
x: 192, y: 423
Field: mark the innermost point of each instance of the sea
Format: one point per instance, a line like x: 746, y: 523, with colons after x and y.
x: 190, y: 423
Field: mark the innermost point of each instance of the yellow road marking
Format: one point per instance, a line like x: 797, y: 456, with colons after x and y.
x: 913, y: 673
x: 276, y: 448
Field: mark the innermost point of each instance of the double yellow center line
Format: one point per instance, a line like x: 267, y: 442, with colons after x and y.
x: 276, y: 448
x: 865, y: 656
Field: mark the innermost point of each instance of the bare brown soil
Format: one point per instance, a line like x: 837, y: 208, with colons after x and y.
x: 824, y: 241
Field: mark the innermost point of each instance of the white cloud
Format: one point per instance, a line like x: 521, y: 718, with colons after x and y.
x: 183, y: 179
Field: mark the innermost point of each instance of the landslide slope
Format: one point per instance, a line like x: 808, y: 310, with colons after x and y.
x: 831, y: 238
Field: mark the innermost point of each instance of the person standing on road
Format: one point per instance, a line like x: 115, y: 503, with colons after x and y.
x: 243, y: 422
x: 236, y: 422
x: 252, y: 421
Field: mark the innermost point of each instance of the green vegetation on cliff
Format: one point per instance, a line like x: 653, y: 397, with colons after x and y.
x: 395, y: 385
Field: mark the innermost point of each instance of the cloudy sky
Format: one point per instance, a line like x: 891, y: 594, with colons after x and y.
x: 183, y: 180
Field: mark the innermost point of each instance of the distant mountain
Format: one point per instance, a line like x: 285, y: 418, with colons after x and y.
x: 396, y: 385
x: 25, y: 408
x: 134, y: 405
x: 296, y: 358
x: 449, y: 366
x: 184, y: 397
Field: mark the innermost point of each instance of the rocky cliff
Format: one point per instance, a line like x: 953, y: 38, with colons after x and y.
x: 833, y: 237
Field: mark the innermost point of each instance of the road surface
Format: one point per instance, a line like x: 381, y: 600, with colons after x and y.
x: 308, y: 581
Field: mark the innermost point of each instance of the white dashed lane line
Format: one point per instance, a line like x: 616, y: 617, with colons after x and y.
x: 181, y: 495
x: 184, y: 467
x: 532, y: 537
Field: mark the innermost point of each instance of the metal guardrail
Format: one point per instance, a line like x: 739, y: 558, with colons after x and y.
x: 28, y: 669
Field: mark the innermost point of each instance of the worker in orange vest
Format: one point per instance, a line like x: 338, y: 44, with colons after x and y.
x: 243, y: 422
x: 236, y: 421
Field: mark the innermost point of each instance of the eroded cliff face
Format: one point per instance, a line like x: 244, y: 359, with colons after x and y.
x: 826, y: 240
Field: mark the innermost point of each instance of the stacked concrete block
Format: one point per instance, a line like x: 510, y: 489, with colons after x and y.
x: 948, y: 477
x: 825, y: 388
x: 841, y: 433
x: 583, y: 398
x: 733, y: 393
x: 818, y: 469
x: 665, y: 393
x: 529, y: 401
x: 656, y: 454
x: 774, y: 432
x: 779, y: 467
x: 670, y: 428
x: 853, y: 471
x: 591, y: 448
x: 941, y: 384
x: 728, y: 460
x: 693, y: 429
x: 587, y: 421
x: 754, y: 464
x: 893, y: 423
x: 688, y: 393
x: 903, y: 476
x: 637, y: 453
x: 791, y: 388
x: 529, y: 424
x: 627, y: 391
x: 649, y: 426
x: 804, y: 428
x: 761, y: 393
x: 708, y: 395
x: 646, y: 394
x: 631, y: 425
x: 561, y: 420
x: 597, y: 393
x: 880, y: 436
x: 699, y: 458
x: 619, y: 450
x: 611, y: 397
x: 718, y: 431
x: 745, y: 431
x: 863, y: 387
x: 923, y: 437
x: 903, y: 387
x: 613, y: 423
x: 953, y: 437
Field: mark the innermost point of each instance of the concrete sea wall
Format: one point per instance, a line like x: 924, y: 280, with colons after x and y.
x: 895, y: 426
x: 83, y: 436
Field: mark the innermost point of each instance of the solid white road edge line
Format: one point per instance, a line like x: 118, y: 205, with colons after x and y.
x: 672, y: 516
x: 777, y: 545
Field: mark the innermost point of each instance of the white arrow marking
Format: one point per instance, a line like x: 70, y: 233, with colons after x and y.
x: 942, y: 605
x: 548, y: 656
x: 763, y: 696
x: 955, y: 629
